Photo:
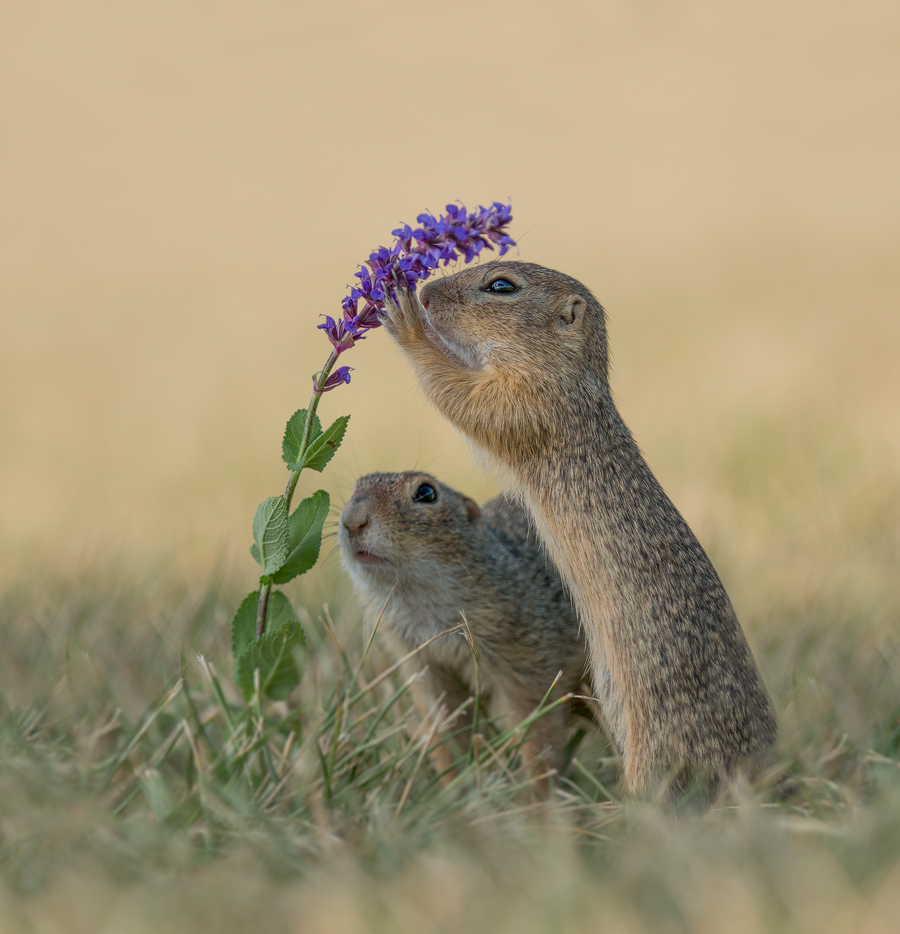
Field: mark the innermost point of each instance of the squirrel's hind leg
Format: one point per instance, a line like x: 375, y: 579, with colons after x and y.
x: 543, y: 750
x: 442, y: 684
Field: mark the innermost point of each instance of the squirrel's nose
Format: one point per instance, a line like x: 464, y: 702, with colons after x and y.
x: 354, y: 518
x: 424, y: 297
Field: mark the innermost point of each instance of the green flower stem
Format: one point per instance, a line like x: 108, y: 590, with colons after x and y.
x: 262, y: 609
x: 324, y: 373
x: 263, y: 605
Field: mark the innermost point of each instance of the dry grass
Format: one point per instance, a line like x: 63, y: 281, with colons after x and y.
x: 120, y: 810
x: 185, y: 188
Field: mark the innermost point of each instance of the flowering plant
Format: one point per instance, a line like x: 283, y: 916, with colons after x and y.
x: 265, y: 632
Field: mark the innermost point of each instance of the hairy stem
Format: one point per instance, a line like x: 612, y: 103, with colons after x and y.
x: 262, y: 606
x: 307, y: 428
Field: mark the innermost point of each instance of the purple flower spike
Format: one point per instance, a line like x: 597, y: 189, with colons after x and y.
x: 414, y: 256
x: 340, y: 335
x: 340, y: 375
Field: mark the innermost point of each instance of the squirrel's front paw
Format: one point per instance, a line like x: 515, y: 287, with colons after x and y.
x: 402, y: 316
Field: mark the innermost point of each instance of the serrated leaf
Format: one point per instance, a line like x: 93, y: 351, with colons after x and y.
x: 274, y: 656
x: 243, y: 625
x: 293, y: 436
x: 270, y: 532
x: 319, y: 452
x: 280, y: 613
x: 305, y: 530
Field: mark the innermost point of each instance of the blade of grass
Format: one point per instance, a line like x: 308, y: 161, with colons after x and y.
x: 389, y: 671
x: 371, y: 639
x: 217, y: 688
x: 594, y: 780
x: 425, y: 743
x: 136, y: 738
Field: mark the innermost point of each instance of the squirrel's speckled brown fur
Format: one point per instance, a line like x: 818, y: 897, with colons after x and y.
x: 428, y: 563
x: 524, y: 374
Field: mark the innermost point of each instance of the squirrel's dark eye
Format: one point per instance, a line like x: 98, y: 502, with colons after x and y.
x: 501, y: 285
x: 426, y: 493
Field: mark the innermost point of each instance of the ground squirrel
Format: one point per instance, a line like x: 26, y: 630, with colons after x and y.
x: 515, y: 356
x: 427, y: 554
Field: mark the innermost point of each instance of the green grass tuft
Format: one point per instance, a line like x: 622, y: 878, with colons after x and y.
x: 132, y: 775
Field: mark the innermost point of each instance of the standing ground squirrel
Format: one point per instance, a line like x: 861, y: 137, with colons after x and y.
x: 515, y: 356
x: 427, y: 554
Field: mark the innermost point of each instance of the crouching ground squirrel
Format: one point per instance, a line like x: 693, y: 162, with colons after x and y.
x: 515, y: 356
x: 426, y: 554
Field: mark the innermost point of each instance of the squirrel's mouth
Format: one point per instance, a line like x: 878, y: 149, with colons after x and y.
x: 370, y: 560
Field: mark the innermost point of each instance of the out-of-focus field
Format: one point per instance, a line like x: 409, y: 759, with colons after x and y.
x: 185, y: 187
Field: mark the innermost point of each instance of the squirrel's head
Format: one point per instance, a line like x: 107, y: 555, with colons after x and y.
x: 406, y: 526
x: 517, y: 317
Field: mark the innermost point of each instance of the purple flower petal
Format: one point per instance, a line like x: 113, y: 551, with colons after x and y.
x: 413, y: 257
x: 339, y: 376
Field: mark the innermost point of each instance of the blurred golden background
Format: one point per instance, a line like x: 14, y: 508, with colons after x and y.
x: 186, y: 187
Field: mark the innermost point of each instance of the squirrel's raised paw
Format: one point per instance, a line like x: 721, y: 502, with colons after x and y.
x: 402, y: 317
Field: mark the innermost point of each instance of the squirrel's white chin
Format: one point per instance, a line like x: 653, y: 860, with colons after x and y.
x: 452, y: 348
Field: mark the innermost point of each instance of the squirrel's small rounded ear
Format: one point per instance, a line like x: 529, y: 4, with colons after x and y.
x: 473, y: 510
x: 571, y: 313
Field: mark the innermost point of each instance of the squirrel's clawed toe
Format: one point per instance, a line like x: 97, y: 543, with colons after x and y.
x: 402, y: 312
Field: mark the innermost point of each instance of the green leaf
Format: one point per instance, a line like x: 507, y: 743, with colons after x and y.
x: 243, y: 625
x: 293, y: 437
x: 280, y: 612
x: 305, y: 529
x: 270, y: 532
x: 275, y: 657
x: 320, y: 451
